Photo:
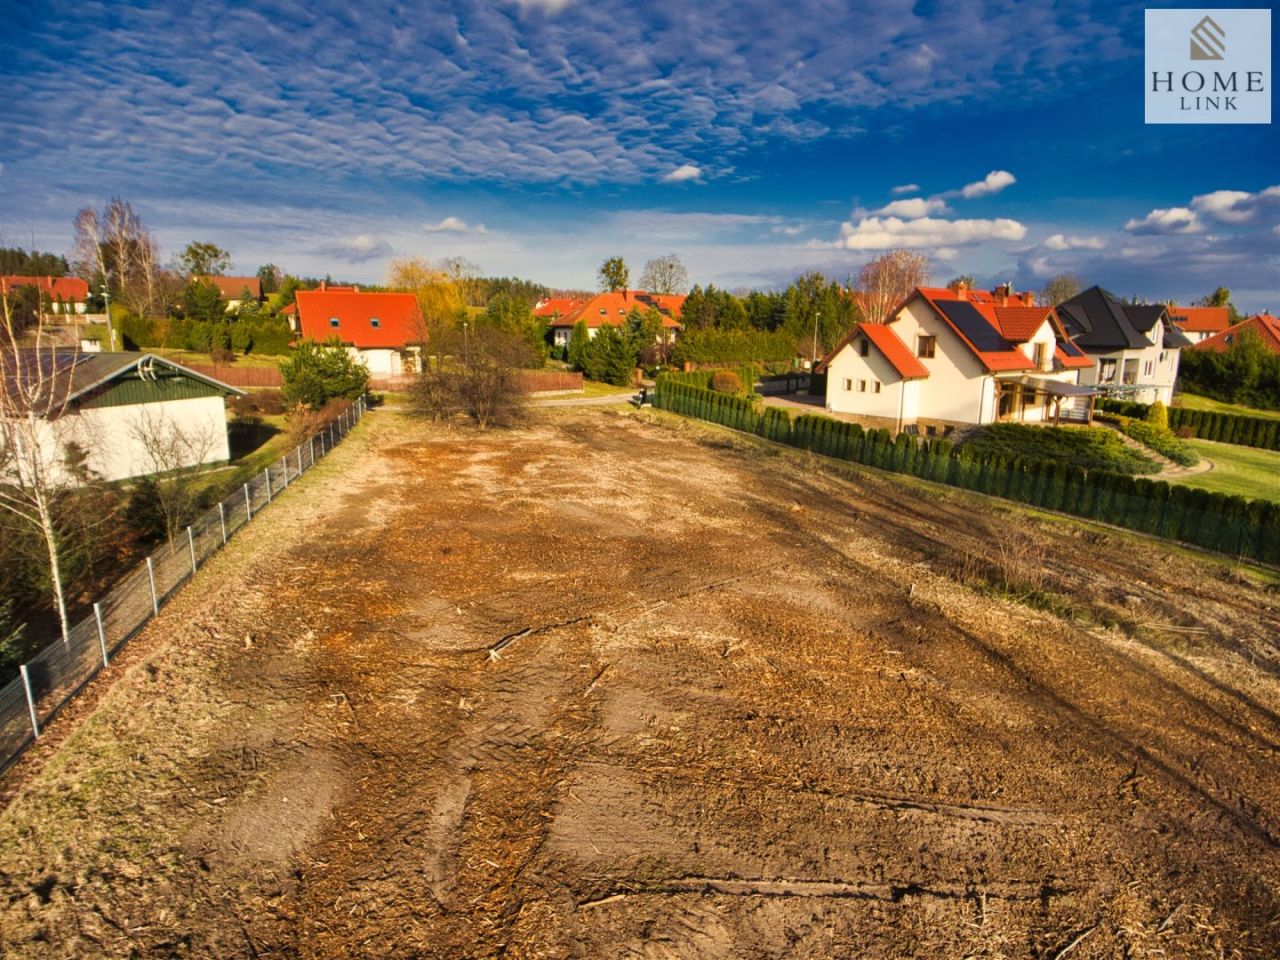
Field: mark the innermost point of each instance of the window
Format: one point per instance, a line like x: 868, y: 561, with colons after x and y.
x: 1147, y: 368
x: 1041, y: 354
x: 862, y: 386
x: 848, y: 386
x: 925, y: 346
x: 375, y: 322
x: 864, y: 348
x: 877, y: 387
x: 333, y: 321
x: 1106, y: 371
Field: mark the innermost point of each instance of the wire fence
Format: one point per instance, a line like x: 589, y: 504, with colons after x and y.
x: 52, y: 678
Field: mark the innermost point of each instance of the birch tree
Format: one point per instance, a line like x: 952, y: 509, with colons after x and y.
x: 887, y: 280
x: 172, y: 454
x: 40, y: 460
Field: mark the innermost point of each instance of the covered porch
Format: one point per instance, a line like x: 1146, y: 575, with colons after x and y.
x: 1024, y: 399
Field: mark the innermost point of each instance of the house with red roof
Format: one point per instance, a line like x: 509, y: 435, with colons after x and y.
x: 611, y: 310
x: 1263, y: 326
x: 64, y: 294
x: 1199, y: 323
x: 956, y: 357
x: 384, y: 331
x: 555, y: 307
x: 235, y: 290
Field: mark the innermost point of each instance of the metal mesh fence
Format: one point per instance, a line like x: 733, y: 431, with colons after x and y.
x: 54, y: 675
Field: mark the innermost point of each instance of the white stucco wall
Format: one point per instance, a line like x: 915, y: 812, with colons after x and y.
x: 958, y: 388
x: 849, y: 366
x: 1162, y: 364
x: 110, y: 435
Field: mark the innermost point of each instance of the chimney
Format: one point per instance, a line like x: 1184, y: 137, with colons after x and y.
x: 962, y: 289
x: 321, y: 286
x: 1002, y: 293
x: 1029, y: 298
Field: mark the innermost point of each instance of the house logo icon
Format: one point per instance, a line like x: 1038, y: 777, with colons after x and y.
x: 1208, y: 40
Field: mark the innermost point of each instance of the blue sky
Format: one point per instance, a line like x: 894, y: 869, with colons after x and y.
x: 536, y: 137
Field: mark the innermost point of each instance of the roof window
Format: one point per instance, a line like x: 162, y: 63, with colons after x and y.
x: 375, y: 322
x: 333, y: 321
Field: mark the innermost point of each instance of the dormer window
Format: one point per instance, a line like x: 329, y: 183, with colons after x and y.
x: 864, y: 348
x: 333, y: 321
x: 375, y: 322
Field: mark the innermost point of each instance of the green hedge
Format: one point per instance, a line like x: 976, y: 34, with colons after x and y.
x: 1219, y: 522
x: 1241, y: 430
x: 733, y: 346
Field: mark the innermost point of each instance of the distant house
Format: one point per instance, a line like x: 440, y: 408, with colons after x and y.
x: 611, y: 310
x: 65, y: 295
x: 555, y: 307
x: 104, y: 402
x: 384, y: 331
x: 1199, y: 323
x: 1134, y: 347
x: 948, y: 358
x: 1263, y: 326
x: 236, y: 290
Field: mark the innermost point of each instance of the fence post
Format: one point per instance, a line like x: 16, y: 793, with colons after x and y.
x: 151, y: 576
x: 102, y: 634
x: 313, y: 450
x: 222, y: 520
x: 299, y: 453
x: 284, y: 469
x: 191, y: 545
x: 31, y: 701
x: 248, y: 504
x: 267, y: 473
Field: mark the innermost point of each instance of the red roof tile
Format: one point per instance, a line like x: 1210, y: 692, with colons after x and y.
x: 232, y: 288
x: 1264, y: 326
x: 554, y: 307
x: 1069, y: 362
x: 985, y: 304
x: 611, y: 309
x: 399, y: 321
x: 67, y: 289
x: 893, y: 349
x: 1200, y: 319
x: 1018, y: 324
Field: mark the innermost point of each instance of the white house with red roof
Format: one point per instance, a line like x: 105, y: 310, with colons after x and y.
x: 948, y: 358
x: 611, y: 310
x: 64, y: 294
x: 1199, y: 323
x: 1263, y: 326
x: 384, y: 331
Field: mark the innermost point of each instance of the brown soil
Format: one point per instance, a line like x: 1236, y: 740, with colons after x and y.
x: 619, y: 686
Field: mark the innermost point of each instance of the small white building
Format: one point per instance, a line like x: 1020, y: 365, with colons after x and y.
x: 948, y: 358
x: 113, y: 411
x: 1133, y: 348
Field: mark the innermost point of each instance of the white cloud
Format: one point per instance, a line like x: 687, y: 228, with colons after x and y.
x: 882, y: 233
x: 793, y: 230
x: 453, y: 225
x: 1060, y: 242
x: 686, y: 171
x: 1226, y: 205
x: 1166, y: 220
x: 359, y: 249
x: 906, y: 188
x: 548, y: 6
x: 993, y: 182
x: 913, y: 208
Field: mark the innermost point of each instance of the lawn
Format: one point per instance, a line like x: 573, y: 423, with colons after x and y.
x: 1092, y: 448
x: 1192, y: 401
x: 593, y: 388
x: 1246, y: 471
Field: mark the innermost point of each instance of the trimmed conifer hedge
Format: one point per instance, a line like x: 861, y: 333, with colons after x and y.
x: 1229, y: 524
x: 1241, y: 430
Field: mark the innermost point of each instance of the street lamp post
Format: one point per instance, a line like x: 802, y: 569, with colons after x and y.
x: 111, y: 333
x: 813, y: 364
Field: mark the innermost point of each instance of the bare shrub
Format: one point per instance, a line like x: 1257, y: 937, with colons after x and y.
x: 477, y: 377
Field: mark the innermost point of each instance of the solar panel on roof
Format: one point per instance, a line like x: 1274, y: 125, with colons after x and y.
x: 1070, y: 349
x: 974, y: 326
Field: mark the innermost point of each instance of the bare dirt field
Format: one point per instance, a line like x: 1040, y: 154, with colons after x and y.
x: 617, y: 685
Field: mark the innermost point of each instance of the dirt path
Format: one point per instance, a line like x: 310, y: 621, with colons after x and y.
x: 612, y: 688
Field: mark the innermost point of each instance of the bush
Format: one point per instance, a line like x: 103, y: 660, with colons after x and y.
x: 726, y: 381
x: 1087, y: 447
x: 1158, y: 416
x: 317, y: 373
x: 1159, y: 439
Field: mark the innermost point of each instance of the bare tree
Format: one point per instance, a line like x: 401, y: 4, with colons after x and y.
x: 171, y: 454
x: 441, y: 299
x: 665, y: 275
x: 86, y: 247
x: 40, y: 458
x: 1062, y: 287
x: 888, y: 280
